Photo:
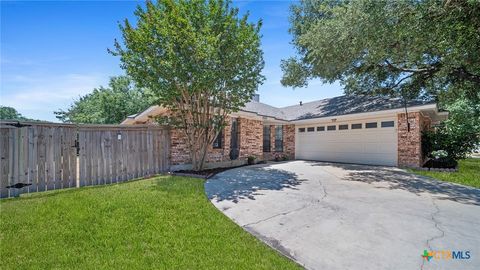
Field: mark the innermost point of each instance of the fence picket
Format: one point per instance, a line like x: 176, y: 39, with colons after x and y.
x: 5, y: 158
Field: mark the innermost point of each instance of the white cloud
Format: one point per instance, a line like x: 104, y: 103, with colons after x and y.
x: 37, y: 96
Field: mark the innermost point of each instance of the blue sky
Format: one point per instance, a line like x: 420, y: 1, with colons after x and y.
x: 54, y: 52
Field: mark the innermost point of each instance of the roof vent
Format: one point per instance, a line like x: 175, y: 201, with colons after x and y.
x: 256, y: 98
x: 301, y: 103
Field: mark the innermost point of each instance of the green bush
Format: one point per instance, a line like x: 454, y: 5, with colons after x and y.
x: 459, y: 135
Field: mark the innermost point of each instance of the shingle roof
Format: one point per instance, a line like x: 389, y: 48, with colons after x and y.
x: 336, y: 106
x: 264, y: 109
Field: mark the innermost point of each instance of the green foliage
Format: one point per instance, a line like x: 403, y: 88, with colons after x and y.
x: 251, y: 160
x: 159, y: 223
x: 9, y: 113
x: 202, y: 60
x: 400, y: 48
x: 108, y: 105
x: 459, y: 135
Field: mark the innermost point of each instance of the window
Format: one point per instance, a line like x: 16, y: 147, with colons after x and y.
x: 356, y: 126
x: 266, y: 139
x: 310, y: 129
x: 331, y: 127
x: 301, y: 130
x: 278, y: 138
x: 217, y: 143
x: 371, y: 125
x: 342, y: 127
x: 320, y: 128
x: 387, y: 124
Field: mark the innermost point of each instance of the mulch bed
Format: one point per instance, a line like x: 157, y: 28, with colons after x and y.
x: 205, y: 174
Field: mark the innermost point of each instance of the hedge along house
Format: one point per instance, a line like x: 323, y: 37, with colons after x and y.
x: 348, y: 129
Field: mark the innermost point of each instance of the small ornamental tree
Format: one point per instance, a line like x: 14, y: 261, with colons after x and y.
x: 200, y: 57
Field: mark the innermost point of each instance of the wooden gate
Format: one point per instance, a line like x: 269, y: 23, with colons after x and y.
x: 117, y: 154
x: 38, y: 156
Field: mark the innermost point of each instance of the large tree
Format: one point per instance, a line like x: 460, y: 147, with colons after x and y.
x: 201, y: 58
x: 108, y: 105
x: 9, y: 113
x: 425, y: 48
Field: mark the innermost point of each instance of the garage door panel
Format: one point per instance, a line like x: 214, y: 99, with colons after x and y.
x: 376, y: 146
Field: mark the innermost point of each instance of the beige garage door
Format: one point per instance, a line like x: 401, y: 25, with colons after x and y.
x: 363, y: 142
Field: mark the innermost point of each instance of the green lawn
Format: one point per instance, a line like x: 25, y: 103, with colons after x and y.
x: 160, y: 223
x: 468, y: 173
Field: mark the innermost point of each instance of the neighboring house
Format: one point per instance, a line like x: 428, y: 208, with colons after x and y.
x: 350, y: 129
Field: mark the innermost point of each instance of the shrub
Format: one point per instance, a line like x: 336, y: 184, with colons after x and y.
x: 281, y: 157
x: 459, y: 135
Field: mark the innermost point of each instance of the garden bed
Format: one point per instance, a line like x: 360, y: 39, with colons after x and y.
x: 204, y: 174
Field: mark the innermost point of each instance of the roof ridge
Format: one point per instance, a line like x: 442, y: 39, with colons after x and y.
x: 308, y: 102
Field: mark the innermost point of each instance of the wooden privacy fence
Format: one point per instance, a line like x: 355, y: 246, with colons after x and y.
x: 38, y: 156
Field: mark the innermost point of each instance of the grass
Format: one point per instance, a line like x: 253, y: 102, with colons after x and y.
x: 468, y: 173
x: 160, y: 223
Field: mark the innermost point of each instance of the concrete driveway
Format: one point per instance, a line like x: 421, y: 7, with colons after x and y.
x: 339, y: 216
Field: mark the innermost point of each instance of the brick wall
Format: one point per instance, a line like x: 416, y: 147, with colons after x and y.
x: 289, y: 140
x: 251, y: 138
x: 251, y: 143
x: 410, y: 143
x: 180, y: 154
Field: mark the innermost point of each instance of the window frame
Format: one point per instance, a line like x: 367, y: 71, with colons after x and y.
x: 321, y: 128
x: 218, y: 140
x: 376, y: 125
x: 301, y: 130
x: 310, y: 129
x: 343, y: 127
x: 387, y: 126
x: 334, y: 128
x: 355, y: 126
x: 267, y: 127
x: 278, y: 141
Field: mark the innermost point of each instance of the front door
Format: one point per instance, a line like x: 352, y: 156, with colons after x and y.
x: 234, y: 140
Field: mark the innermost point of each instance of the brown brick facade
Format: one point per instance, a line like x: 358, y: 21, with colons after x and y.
x: 410, y: 143
x: 251, y: 138
x: 250, y: 143
x: 179, y: 152
x: 289, y: 140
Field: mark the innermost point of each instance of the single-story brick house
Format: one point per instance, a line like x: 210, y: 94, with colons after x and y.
x: 349, y: 129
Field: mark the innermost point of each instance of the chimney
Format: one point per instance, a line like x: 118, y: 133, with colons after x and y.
x: 256, y: 98
x: 301, y: 103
